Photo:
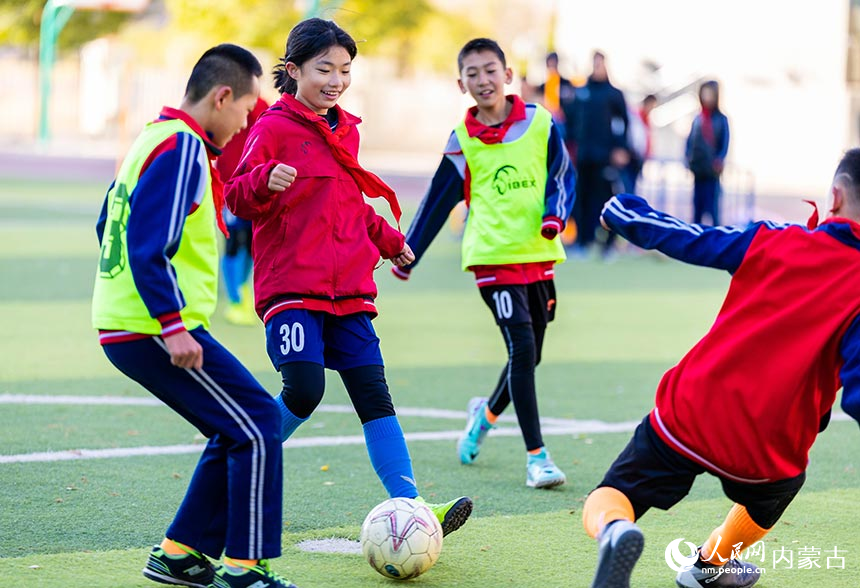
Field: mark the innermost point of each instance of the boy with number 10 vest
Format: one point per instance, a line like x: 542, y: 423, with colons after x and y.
x: 508, y: 161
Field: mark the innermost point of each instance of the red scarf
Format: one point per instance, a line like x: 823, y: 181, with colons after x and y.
x: 708, y: 127
x: 217, y: 194
x: 212, y: 153
x: 369, y: 183
x: 812, y: 223
x: 495, y: 134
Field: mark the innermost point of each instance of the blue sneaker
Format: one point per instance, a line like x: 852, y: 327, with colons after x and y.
x: 541, y: 471
x: 477, y: 427
x: 621, y: 544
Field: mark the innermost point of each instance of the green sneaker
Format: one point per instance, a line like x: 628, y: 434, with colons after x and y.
x: 190, y: 569
x: 477, y: 427
x: 452, y: 515
x: 541, y: 471
x: 258, y: 576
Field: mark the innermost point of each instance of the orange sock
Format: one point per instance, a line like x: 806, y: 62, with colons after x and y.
x: 240, y: 563
x: 603, y: 506
x: 491, y: 418
x: 172, y: 547
x: 534, y: 451
x: 736, y: 533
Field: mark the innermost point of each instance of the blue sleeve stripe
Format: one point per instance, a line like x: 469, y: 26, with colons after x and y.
x: 180, y: 206
x: 563, y: 194
x: 663, y: 222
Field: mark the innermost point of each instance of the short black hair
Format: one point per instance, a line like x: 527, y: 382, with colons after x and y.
x: 551, y: 56
x: 308, y: 39
x: 649, y: 98
x: 227, y: 65
x: 478, y: 45
x: 848, y: 171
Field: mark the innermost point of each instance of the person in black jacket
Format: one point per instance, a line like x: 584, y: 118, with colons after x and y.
x: 599, y: 128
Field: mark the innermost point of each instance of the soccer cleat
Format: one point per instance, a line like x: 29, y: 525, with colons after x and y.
x: 258, y: 576
x: 452, y: 515
x: 477, y: 427
x: 733, y: 574
x: 621, y: 545
x: 191, y: 569
x: 541, y: 471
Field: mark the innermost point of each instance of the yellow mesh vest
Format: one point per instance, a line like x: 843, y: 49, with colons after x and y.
x: 508, y: 186
x: 117, y: 305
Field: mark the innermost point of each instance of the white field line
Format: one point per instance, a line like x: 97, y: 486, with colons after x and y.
x: 433, y: 413
x: 551, y: 427
x: 593, y: 427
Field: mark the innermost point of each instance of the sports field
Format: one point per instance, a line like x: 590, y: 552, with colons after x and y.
x: 92, y: 469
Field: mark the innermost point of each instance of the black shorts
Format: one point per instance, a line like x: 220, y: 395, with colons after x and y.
x: 521, y: 303
x: 652, y: 474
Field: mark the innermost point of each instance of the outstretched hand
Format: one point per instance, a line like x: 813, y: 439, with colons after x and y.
x: 603, y: 224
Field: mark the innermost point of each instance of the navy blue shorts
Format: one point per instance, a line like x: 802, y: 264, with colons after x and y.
x: 652, y: 474
x: 336, y: 342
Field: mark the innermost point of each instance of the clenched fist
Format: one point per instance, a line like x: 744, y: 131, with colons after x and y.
x: 281, y: 177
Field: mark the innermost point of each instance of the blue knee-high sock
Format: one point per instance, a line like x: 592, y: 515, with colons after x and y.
x: 289, y: 421
x: 233, y: 269
x: 390, y: 457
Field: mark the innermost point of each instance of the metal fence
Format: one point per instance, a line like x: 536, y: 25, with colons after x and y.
x: 668, y: 185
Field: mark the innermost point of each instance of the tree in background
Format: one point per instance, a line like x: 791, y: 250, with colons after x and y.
x: 20, y: 21
x: 397, y: 29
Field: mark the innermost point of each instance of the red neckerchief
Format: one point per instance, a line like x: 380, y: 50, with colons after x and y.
x: 708, y: 127
x: 495, y: 134
x: 212, y: 153
x: 812, y: 223
x: 369, y: 183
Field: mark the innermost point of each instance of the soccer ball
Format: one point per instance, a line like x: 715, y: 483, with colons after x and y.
x: 401, y: 538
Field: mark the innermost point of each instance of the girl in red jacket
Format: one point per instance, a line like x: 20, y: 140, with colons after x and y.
x: 316, y: 243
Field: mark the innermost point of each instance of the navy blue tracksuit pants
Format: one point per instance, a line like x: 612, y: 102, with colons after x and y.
x: 233, y: 503
x: 706, y: 199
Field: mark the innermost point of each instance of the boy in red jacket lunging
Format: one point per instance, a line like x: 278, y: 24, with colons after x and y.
x: 316, y: 243
x: 765, y: 377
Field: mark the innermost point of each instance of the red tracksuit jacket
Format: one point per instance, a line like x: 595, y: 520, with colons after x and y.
x: 316, y: 244
x: 748, y: 401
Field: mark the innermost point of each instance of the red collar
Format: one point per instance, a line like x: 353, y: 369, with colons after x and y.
x: 212, y: 152
x: 495, y: 134
x: 813, y: 222
x: 291, y: 105
x: 168, y: 113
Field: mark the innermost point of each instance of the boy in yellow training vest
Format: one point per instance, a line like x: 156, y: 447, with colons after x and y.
x: 155, y: 290
x: 508, y: 161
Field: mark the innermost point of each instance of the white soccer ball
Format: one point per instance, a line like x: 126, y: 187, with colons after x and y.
x: 401, y: 538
